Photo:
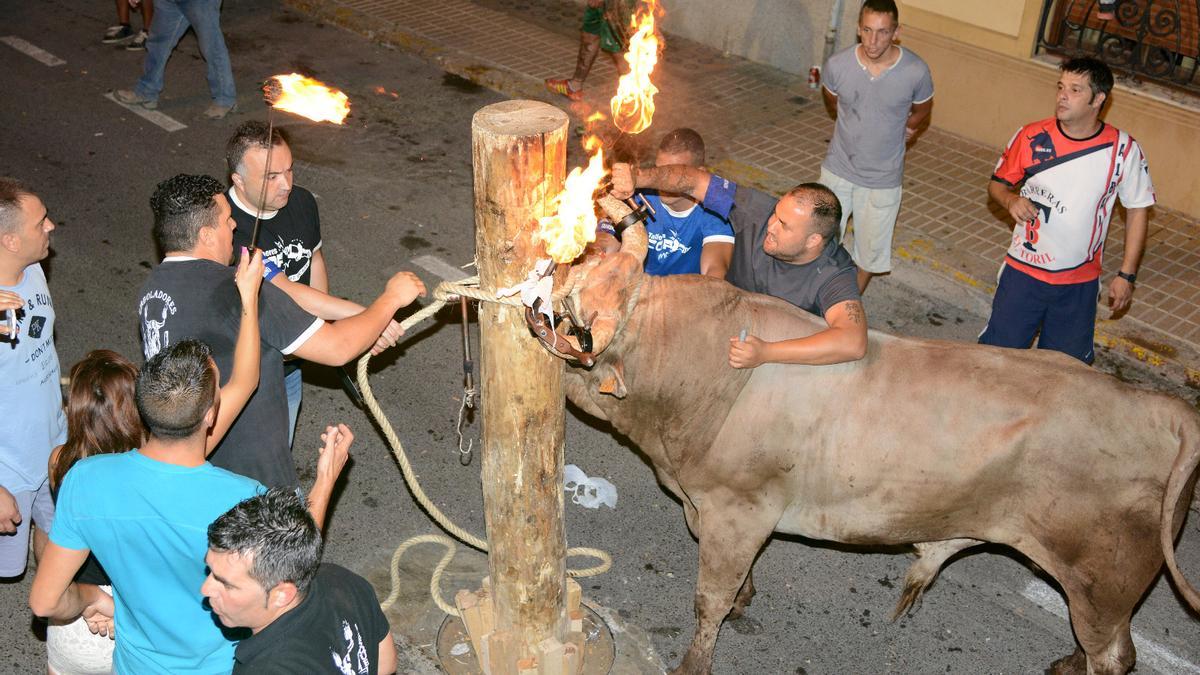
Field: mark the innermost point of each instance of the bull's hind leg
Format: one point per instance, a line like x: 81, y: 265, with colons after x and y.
x: 731, y: 535
x: 1103, y: 581
x: 744, y: 597
x: 930, y: 558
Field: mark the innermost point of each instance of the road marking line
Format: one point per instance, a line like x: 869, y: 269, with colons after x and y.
x: 441, y: 268
x: 165, y: 121
x: 32, y: 50
x: 1149, y: 653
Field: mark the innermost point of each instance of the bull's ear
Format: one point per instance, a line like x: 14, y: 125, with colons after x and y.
x: 613, y: 382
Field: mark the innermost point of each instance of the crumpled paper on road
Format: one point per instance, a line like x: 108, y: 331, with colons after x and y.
x: 537, y: 285
x: 588, y: 492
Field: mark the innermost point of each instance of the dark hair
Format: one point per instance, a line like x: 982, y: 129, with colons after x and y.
x: 176, y: 388
x: 684, y: 140
x: 250, y: 134
x: 277, y: 532
x: 11, y: 191
x: 182, y: 205
x: 1100, y: 77
x: 880, y: 7
x: 102, y: 416
x: 826, y: 209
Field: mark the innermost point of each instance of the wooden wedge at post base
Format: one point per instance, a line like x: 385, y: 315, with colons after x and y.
x: 574, y: 595
x: 469, y: 606
x: 572, y: 658
x: 503, y: 651
x: 551, y: 657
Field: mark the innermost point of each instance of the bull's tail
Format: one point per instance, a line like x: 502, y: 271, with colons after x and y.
x: 1181, y: 478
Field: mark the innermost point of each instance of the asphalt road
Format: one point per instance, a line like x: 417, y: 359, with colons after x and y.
x: 394, y: 184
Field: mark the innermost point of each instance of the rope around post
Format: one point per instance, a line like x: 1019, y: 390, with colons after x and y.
x: 444, y: 293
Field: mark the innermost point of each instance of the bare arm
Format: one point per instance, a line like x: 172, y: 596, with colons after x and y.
x: 317, y: 302
x: 844, y: 340
x: 831, y: 100
x: 918, y: 119
x: 55, y: 596
x: 243, y: 379
x: 1020, y: 208
x: 677, y: 178
x: 387, y: 655
x: 318, y: 275
x: 331, y: 459
x: 335, y: 344
x: 715, y: 257
x: 1120, y: 291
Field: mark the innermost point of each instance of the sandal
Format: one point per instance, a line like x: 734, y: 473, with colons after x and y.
x: 563, y: 88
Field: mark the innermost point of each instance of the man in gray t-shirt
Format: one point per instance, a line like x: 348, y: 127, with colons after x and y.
x: 881, y: 95
x: 787, y: 248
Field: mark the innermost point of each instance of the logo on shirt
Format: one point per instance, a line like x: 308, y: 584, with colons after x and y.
x: 1041, y: 146
x: 355, y: 660
x: 154, y: 309
x: 666, y: 245
x: 293, y: 256
x: 36, y: 325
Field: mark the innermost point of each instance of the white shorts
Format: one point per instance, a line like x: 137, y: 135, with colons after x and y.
x: 34, y: 505
x: 73, y: 649
x: 875, y: 211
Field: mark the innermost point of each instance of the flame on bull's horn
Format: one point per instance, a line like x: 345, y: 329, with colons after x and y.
x: 309, y: 98
x: 573, y: 225
x: 633, y: 105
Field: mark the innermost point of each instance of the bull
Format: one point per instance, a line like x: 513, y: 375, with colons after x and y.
x: 1089, y: 478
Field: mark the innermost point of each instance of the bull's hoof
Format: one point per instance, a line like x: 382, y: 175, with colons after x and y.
x: 1075, y: 664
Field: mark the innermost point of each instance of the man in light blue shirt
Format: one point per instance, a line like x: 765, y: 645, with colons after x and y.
x: 33, y: 421
x: 144, y: 514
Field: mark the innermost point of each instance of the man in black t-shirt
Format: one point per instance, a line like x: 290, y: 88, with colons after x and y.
x: 265, y: 574
x: 289, y: 234
x: 787, y: 248
x: 192, y: 295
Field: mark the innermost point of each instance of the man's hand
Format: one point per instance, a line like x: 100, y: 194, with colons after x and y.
x: 1120, y: 295
x: 134, y: 3
x: 332, y: 457
x: 248, y: 276
x: 390, y: 336
x: 1021, y: 209
x: 405, y: 287
x: 622, y: 181
x: 9, y: 302
x: 99, y: 613
x: 909, y: 134
x: 10, y: 515
x: 748, y: 353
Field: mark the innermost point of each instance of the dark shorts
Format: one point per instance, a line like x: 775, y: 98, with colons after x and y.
x: 1061, y: 316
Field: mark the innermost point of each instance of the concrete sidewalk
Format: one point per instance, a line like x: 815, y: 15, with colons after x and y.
x: 766, y: 128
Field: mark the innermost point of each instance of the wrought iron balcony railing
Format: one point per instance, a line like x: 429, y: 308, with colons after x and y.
x: 1155, y: 40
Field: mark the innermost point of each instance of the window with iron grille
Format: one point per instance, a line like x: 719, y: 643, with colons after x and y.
x: 1150, y: 40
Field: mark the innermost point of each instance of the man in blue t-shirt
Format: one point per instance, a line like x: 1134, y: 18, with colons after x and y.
x: 684, y: 236
x: 33, y: 421
x: 144, y: 514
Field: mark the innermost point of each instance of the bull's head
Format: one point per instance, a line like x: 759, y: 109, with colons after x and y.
x: 604, y: 290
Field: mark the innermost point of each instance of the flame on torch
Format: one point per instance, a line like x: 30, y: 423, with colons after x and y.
x: 573, y: 226
x: 633, y: 106
x: 307, y: 97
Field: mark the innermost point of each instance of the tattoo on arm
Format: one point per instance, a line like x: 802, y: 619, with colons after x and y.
x: 672, y: 178
x: 854, y: 312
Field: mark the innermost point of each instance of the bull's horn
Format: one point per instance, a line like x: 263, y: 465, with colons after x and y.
x: 633, y: 240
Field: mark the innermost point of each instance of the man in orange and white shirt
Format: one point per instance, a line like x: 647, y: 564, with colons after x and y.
x: 1060, y: 178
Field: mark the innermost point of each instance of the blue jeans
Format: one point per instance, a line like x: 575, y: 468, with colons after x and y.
x: 171, y: 20
x: 294, y: 385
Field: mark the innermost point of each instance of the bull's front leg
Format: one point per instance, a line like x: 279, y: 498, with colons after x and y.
x: 731, y: 534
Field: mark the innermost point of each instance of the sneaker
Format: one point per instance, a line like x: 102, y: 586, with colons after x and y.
x: 563, y: 88
x: 216, y: 111
x: 129, y: 97
x: 138, y: 43
x: 117, y: 34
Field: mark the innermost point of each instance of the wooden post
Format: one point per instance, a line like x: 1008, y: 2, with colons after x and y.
x: 519, y: 154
